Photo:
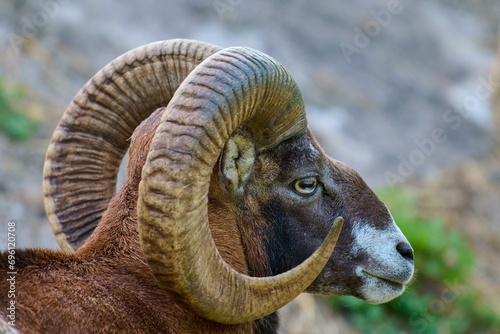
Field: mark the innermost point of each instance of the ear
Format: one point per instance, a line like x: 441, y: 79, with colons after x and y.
x: 237, y: 161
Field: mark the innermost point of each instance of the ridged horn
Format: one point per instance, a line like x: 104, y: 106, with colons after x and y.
x: 234, y: 87
x: 92, y: 137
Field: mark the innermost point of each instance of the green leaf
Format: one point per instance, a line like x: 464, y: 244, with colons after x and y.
x: 12, y: 121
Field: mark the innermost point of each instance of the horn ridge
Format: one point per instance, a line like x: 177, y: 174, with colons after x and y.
x: 98, y: 124
x: 172, y: 206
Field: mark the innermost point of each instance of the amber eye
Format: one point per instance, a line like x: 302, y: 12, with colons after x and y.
x: 306, y: 186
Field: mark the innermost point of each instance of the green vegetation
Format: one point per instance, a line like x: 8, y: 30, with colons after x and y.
x: 12, y: 120
x: 440, y: 299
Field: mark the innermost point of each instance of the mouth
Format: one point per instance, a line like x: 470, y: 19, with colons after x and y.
x: 395, y: 284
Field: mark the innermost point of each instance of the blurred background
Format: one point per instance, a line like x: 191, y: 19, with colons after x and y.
x: 404, y: 91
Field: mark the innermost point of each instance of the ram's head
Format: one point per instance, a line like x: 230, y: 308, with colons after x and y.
x: 225, y: 169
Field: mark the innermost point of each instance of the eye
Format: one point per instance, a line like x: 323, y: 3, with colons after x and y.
x: 306, y: 186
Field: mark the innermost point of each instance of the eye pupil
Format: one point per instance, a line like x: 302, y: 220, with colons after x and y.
x: 306, y: 186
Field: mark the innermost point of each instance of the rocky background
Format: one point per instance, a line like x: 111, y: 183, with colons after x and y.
x: 399, y: 90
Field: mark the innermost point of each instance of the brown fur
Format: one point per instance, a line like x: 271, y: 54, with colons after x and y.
x: 106, y: 286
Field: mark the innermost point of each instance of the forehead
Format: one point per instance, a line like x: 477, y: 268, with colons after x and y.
x: 294, y: 154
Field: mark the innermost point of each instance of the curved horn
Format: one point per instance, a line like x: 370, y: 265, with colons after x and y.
x: 92, y: 137
x: 234, y: 87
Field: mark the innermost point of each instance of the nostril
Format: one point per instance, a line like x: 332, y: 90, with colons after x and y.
x: 405, y: 250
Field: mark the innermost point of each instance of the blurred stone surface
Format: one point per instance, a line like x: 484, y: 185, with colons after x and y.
x: 310, y: 315
x: 466, y: 197
x: 394, y: 90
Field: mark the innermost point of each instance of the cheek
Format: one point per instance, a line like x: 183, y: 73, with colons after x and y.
x: 290, y: 238
x: 339, y: 273
x: 340, y: 264
x: 294, y: 228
